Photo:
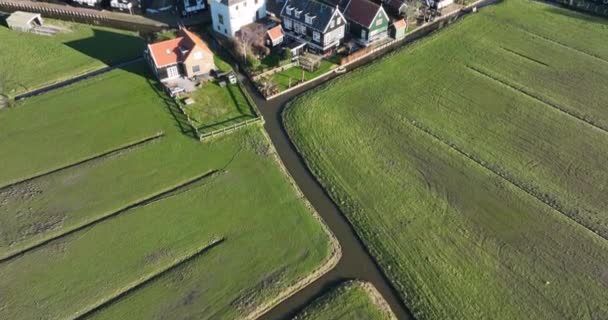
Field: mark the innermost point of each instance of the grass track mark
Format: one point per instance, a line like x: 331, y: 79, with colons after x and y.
x: 561, y: 44
x: 522, y: 90
x: 127, y: 147
x: 141, y: 283
x: 531, y: 191
x: 525, y: 57
x: 165, y: 194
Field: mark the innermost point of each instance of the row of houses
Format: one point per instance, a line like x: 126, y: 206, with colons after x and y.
x: 320, y: 26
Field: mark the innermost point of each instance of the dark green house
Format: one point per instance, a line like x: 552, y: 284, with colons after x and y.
x: 367, y: 21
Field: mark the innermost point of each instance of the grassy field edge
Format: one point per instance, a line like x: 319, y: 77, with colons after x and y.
x: 332, y: 259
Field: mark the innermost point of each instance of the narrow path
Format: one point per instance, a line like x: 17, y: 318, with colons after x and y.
x: 73, y: 80
x: 356, y: 262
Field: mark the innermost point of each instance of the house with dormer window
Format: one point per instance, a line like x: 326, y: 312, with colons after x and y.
x: 320, y: 26
x: 186, y: 56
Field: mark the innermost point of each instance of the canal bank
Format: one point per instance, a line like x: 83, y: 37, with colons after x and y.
x: 356, y: 262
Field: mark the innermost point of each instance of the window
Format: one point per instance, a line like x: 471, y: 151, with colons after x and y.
x: 332, y: 24
x: 363, y: 34
x: 379, y: 22
x: 288, y: 11
x: 288, y: 24
x: 198, y: 55
x: 245, y: 4
x: 256, y: 1
x: 298, y: 12
x: 196, y: 69
x: 220, y: 18
x: 237, y: 7
x: 172, y: 72
x: 309, y: 19
x: 316, y: 36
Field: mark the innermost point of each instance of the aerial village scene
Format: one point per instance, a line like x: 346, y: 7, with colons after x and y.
x: 304, y: 159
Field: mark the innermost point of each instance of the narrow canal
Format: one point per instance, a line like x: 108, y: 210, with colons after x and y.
x: 356, y: 262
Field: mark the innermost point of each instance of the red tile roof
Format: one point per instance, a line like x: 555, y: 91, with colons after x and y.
x: 168, y: 52
x: 362, y: 12
x: 400, y: 24
x: 275, y: 33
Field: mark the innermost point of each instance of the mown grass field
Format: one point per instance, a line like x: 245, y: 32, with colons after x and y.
x: 30, y: 61
x: 473, y: 164
x: 216, y: 107
x: 132, y: 229
x: 352, y: 300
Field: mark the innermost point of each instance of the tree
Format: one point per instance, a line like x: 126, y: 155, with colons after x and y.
x: 287, y: 55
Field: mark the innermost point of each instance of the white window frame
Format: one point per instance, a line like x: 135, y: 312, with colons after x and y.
x: 316, y: 36
x: 172, y: 72
x: 288, y: 24
x: 379, y: 21
x: 298, y: 12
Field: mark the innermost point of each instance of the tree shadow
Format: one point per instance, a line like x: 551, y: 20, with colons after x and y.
x: 579, y: 13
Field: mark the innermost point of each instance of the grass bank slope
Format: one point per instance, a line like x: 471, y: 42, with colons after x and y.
x: 151, y: 259
x: 476, y: 197
x: 29, y: 61
x: 352, y: 300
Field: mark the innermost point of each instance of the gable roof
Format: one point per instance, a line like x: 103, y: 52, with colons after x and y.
x: 322, y: 12
x: 400, y: 24
x: 394, y: 5
x: 166, y: 52
x: 362, y: 12
x: 275, y: 33
x: 176, y: 50
x: 21, y: 18
x: 341, y: 4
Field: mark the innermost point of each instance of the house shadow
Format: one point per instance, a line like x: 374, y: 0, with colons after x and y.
x: 125, y: 52
x: 114, y: 49
x: 578, y: 13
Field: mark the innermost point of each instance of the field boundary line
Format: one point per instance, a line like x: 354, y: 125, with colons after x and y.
x: 141, y: 283
x: 104, y: 154
x: 332, y: 260
x: 544, y: 198
x: 81, y: 76
x: 520, y: 89
x: 101, y: 218
x: 560, y: 44
x: 523, y: 56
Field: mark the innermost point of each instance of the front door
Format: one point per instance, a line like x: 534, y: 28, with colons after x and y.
x: 172, y: 72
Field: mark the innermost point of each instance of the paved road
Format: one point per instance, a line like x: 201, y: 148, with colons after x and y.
x: 356, y: 262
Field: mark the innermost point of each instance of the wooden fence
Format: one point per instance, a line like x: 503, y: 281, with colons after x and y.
x: 82, y: 15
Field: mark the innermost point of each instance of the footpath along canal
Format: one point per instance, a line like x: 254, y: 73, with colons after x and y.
x: 356, y: 262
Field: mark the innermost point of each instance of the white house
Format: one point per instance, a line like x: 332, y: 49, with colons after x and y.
x: 230, y: 15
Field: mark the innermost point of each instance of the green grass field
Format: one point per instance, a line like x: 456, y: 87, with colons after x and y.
x: 216, y: 107
x: 30, y: 61
x: 473, y: 164
x: 139, y: 233
x: 353, y: 300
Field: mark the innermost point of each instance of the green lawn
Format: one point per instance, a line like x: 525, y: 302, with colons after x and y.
x: 271, y: 238
x: 30, y: 61
x: 295, y: 74
x: 216, y: 107
x: 353, y: 300
x: 439, y: 154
